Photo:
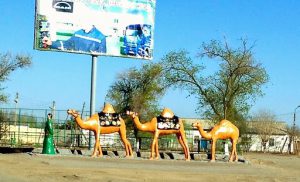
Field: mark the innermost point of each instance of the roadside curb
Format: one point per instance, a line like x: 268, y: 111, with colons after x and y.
x: 143, y: 155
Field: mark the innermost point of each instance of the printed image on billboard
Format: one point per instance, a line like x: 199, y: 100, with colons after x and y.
x: 98, y: 27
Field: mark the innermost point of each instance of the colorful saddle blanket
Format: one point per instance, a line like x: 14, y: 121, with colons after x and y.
x: 109, y: 119
x: 168, y: 123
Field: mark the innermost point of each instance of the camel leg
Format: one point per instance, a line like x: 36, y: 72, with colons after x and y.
x: 100, y: 149
x: 213, y: 150
x: 232, y: 151
x: 185, y: 148
x: 152, y: 149
x: 154, y: 146
x: 126, y: 143
x: 233, y: 156
x: 156, y: 150
x: 97, y: 145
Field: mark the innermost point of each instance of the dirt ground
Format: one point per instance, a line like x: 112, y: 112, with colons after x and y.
x: 37, y: 167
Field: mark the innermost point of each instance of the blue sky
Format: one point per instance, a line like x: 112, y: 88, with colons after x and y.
x: 274, y: 26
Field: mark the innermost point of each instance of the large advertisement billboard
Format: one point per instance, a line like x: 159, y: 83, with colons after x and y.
x: 121, y: 28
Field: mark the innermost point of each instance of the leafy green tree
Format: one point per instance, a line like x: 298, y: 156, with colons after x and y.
x: 228, y: 92
x: 8, y: 64
x: 138, y: 90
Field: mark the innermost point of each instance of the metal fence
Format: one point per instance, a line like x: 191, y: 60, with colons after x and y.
x: 25, y: 127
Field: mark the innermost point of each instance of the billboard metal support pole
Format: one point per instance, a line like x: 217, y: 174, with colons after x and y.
x: 93, y: 93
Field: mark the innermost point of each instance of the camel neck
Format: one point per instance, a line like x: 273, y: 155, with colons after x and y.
x: 143, y: 126
x: 204, y: 134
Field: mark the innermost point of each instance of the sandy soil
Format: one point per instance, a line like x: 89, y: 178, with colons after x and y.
x: 36, y: 167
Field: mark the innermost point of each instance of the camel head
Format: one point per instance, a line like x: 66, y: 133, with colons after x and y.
x: 131, y: 113
x: 73, y: 113
x: 197, y: 125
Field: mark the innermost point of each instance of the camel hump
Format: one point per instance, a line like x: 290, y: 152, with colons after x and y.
x: 225, y: 122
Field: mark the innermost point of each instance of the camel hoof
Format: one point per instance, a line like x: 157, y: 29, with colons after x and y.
x: 213, y: 161
x: 155, y: 158
x: 233, y: 160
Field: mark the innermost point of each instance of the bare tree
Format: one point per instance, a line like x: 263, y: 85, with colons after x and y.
x: 8, y: 64
x: 265, y: 125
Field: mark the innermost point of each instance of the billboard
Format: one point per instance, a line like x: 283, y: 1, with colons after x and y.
x: 122, y: 28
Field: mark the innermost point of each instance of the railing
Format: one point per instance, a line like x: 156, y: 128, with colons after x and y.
x: 25, y: 127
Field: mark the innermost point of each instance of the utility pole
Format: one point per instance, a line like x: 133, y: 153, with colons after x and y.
x: 93, y: 93
x: 294, y: 129
x: 53, y: 109
x: 16, y: 107
x: 83, y: 106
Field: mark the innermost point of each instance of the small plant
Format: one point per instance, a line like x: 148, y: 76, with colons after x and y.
x: 4, y: 127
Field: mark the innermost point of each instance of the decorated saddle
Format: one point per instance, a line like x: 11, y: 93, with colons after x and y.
x: 109, y: 119
x: 164, y: 123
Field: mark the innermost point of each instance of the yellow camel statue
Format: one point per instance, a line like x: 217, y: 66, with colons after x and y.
x: 162, y: 125
x: 223, y: 130
x: 104, y: 122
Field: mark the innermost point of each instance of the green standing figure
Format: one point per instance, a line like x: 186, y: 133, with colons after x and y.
x: 48, y: 144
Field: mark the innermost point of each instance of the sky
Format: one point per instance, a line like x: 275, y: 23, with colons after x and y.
x: 65, y: 78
